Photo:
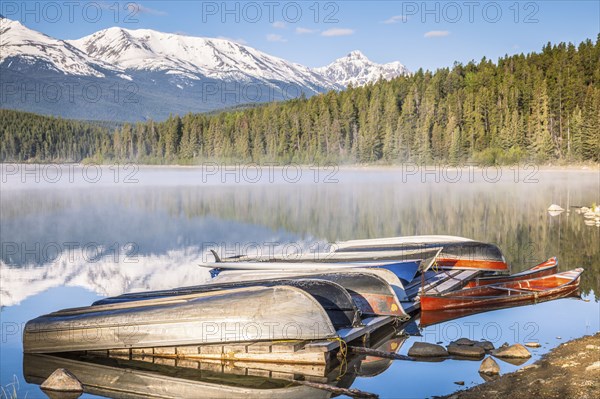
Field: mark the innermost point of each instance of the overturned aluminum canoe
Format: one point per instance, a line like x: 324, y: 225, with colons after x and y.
x: 334, y: 298
x: 237, y: 315
x: 456, y: 253
x: 376, y: 292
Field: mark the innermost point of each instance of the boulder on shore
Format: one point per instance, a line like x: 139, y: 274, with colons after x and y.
x: 424, y: 349
x: 516, y: 351
x: 62, y: 380
x: 489, y: 367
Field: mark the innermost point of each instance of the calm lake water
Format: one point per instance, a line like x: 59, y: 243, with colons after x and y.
x: 71, y: 235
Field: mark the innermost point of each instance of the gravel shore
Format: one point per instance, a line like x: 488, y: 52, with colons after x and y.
x: 571, y: 370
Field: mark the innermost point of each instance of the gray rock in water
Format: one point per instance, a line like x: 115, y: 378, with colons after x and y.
x: 459, y: 382
x: 489, y: 367
x: 62, y: 380
x: 486, y: 345
x: 465, y: 350
x: 516, y: 351
x: 424, y: 349
x: 463, y: 341
x: 533, y: 344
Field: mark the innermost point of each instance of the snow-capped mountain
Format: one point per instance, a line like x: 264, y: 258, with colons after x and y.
x: 16, y: 40
x: 194, y: 57
x: 356, y: 69
x: 141, y: 74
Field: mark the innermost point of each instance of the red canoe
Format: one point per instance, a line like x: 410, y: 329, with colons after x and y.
x: 547, y: 287
x: 430, y: 317
x: 543, y: 269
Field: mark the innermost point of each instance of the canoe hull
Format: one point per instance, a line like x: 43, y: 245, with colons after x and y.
x: 240, y: 315
x: 543, y: 269
x: 532, y: 290
x: 369, y: 288
x: 334, y: 298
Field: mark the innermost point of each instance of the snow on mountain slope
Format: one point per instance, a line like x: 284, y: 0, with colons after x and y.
x: 358, y: 70
x: 145, y: 49
x: 16, y: 40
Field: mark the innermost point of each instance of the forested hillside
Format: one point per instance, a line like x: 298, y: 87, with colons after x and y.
x: 542, y: 107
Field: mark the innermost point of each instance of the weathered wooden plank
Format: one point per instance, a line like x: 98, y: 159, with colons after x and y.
x: 211, y: 349
x: 188, y: 350
x: 287, y: 346
x: 259, y: 347
x: 167, y: 350
x: 299, y: 357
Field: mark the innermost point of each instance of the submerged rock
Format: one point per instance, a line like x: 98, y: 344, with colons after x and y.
x: 516, y: 351
x: 489, y: 367
x: 424, y: 349
x: 466, y: 350
x: 62, y: 380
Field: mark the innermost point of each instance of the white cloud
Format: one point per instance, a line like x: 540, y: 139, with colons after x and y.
x: 279, y: 25
x: 437, y: 33
x: 305, y: 31
x: 239, y: 40
x: 337, y: 32
x: 275, y: 38
x: 395, y: 19
x: 136, y: 8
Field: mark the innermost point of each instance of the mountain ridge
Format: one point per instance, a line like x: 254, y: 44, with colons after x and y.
x: 163, y: 72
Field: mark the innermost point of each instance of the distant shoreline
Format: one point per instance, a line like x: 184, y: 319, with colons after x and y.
x: 584, y: 167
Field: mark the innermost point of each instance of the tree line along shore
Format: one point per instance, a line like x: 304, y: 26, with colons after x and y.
x: 541, y: 107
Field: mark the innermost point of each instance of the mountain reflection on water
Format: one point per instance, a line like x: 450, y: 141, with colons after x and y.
x: 113, y: 238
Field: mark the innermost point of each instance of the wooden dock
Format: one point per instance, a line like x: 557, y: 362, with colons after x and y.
x: 280, y: 353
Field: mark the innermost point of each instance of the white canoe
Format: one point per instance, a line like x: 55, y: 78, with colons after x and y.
x: 408, y: 241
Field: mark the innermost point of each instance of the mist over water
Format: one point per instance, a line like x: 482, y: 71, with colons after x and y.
x: 109, y: 237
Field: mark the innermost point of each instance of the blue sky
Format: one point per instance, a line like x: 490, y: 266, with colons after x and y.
x: 416, y: 33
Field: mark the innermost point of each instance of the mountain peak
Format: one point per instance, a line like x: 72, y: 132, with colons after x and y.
x: 358, y: 70
x: 357, y: 54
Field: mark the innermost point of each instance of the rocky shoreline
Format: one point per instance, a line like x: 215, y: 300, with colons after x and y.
x: 572, y: 370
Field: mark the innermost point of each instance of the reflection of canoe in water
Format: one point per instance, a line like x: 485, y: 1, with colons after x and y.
x: 237, y: 315
x: 548, y: 287
x: 543, y: 269
x: 385, y: 340
x: 431, y: 317
x: 110, y: 378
